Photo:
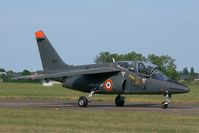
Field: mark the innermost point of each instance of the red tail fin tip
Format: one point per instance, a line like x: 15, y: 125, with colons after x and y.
x: 39, y: 34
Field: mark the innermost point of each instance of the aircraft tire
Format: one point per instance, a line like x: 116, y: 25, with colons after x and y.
x: 164, y: 105
x: 83, y: 101
x: 119, y: 101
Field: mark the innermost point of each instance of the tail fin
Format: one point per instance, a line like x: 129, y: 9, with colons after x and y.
x: 49, y: 57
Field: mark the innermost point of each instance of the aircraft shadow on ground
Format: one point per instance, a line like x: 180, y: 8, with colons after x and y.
x: 128, y: 105
x: 97, y: 105
x: 135, y: 105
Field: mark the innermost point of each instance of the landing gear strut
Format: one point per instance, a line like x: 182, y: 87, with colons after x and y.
x: 167, y: 101
x: 83, y: 101
x: 119, y: 101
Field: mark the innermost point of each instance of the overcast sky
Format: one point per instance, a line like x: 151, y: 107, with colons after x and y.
x: 80, y: 30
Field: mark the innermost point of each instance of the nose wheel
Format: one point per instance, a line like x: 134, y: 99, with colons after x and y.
x: 164, y: 105
x: 167, y: 101
x: 119, y: 101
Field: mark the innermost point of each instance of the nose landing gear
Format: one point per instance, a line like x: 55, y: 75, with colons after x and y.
x: 167, y: 101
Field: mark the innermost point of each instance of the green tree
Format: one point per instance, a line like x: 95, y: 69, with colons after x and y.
x: 192, y: 72
x: 105, y: 57
x: 2, y: 77
x: 133, y: 56
x: 185, y: 71
x: 166, y: 64
x: 26, y: 72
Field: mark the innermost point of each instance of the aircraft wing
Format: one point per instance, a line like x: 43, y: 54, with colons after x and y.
x: 64, y: 74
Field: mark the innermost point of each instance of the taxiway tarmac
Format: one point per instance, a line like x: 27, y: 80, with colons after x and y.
x: 100, y: 106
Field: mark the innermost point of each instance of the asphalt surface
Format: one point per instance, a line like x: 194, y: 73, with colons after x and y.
x: 100, y: 106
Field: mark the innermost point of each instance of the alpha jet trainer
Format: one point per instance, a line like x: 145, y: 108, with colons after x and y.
x: 124, y: 77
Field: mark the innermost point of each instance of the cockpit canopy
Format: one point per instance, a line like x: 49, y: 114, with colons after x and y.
x: 145, y: 69
x: 138, y: 67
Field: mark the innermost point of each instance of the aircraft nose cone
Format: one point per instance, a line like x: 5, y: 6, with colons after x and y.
x: 185, y: 89
x: 181, y: 89
x: 178, y: 87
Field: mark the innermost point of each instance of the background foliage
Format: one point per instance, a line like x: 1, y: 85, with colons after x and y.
x: 164, y: 62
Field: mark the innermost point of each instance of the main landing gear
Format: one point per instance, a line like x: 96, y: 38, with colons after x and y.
x: 119, y: 100
x: 83, y: 101
x: 167, y: 101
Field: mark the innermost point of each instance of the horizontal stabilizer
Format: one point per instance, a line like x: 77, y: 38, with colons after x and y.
x: 91, y: 71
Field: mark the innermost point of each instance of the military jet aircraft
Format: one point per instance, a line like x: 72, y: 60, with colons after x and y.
x: 123, y: 77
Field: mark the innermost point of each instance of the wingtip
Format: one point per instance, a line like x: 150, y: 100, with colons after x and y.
x: 39, y: 34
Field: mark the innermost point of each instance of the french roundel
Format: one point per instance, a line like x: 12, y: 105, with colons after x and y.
x: 108, y: 85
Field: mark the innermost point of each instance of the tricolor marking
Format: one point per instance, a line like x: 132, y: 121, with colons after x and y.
x: 108, y: 85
